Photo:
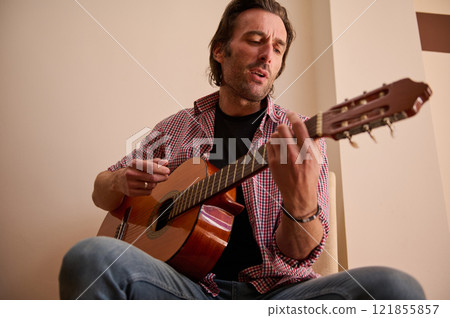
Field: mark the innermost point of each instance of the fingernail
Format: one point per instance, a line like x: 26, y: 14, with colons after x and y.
x: 162, y: 162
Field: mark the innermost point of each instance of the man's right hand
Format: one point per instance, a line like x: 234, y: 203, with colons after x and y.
x: 141, y: 177
x: 138, y: 179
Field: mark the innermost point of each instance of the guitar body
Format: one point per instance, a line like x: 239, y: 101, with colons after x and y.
x: 191, y: 242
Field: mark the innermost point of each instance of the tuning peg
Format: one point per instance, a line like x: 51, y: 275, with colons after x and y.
x: 369, y: 131
x: 387, y: 122
x: 354, y: 144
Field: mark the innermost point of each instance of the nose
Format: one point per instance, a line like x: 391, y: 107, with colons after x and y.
x: 266, y: 53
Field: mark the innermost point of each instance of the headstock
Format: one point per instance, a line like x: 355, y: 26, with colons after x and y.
x: 380, y: 107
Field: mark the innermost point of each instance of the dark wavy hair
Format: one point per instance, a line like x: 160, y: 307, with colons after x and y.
x: 225, y: 31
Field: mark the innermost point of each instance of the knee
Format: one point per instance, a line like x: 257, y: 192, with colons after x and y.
x: 85, y: 253
x: 394, y: 284
x: 84, y: 262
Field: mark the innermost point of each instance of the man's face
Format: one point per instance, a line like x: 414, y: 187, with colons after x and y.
x: 251, y: 62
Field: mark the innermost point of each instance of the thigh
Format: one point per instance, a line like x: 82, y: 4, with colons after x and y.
x: 106, y: 268
x: 359, y: 283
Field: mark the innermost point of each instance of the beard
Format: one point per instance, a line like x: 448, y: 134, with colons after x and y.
x: 238, y: 80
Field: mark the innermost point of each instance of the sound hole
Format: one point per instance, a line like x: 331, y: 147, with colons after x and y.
x: 163, y: 214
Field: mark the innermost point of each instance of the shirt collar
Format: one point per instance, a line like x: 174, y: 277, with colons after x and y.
x: 210, y: 101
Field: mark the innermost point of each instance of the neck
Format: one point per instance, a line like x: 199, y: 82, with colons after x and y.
x: 237, y: 106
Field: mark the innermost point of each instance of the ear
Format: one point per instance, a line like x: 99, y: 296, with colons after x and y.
x: 218, y: 53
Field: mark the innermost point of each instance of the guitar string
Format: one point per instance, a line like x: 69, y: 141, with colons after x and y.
x: 246, y: 171
x: 144, y: 216
x: 181, y: 196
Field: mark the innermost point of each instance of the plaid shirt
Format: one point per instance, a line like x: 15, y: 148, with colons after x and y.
x: 173, y: 138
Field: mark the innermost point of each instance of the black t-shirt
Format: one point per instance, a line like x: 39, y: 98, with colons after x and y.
x: 236, y: 134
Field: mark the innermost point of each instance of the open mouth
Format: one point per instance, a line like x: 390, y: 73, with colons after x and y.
x: 259, y: 74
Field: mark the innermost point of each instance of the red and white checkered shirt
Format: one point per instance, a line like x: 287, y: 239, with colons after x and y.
x: 172, y: 139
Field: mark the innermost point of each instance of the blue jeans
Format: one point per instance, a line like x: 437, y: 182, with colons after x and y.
x: 106, y: 268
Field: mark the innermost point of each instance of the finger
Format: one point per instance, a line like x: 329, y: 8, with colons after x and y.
x: 134, y: 175
x: 284, y: 131
x: 141, y: 185
x: 139, y: 162
x: 161, y: 162
x: 142, y: 177
x: 299, y: 128
x: 284, y: 147
x: 154, y: 166
x: 272, y: 148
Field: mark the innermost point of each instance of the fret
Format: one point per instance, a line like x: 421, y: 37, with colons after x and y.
x: 188, y: 197
x: 235, y: 168
x: 176, y: 208
x: 220, y: 179
x: 248, y: 168
x: 186, y: 201
x: 226, y: 179
x: 208, y: 179
x: 201, y: 189
x: 214, y: 180
x: 206, y: 186
x: 194, y: 202
x: 198, y: 193
x: 173, y: 212
x: 243, y: 167
x: 179, y: 201
x: 182, y: 202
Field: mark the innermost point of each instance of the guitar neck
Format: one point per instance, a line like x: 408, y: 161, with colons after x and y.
x: 229, y: 176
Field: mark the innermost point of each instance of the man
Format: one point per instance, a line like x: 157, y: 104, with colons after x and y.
x: 281, y: 231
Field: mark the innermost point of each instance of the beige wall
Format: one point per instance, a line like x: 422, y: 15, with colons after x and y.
x: 395, y: 212
x: 437, y: 73
x: 70, y: 97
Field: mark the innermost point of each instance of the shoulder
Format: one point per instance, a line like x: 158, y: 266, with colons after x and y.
x: 203, y: 106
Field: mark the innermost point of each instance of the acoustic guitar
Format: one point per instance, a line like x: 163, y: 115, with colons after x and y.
x: 187, y: 220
